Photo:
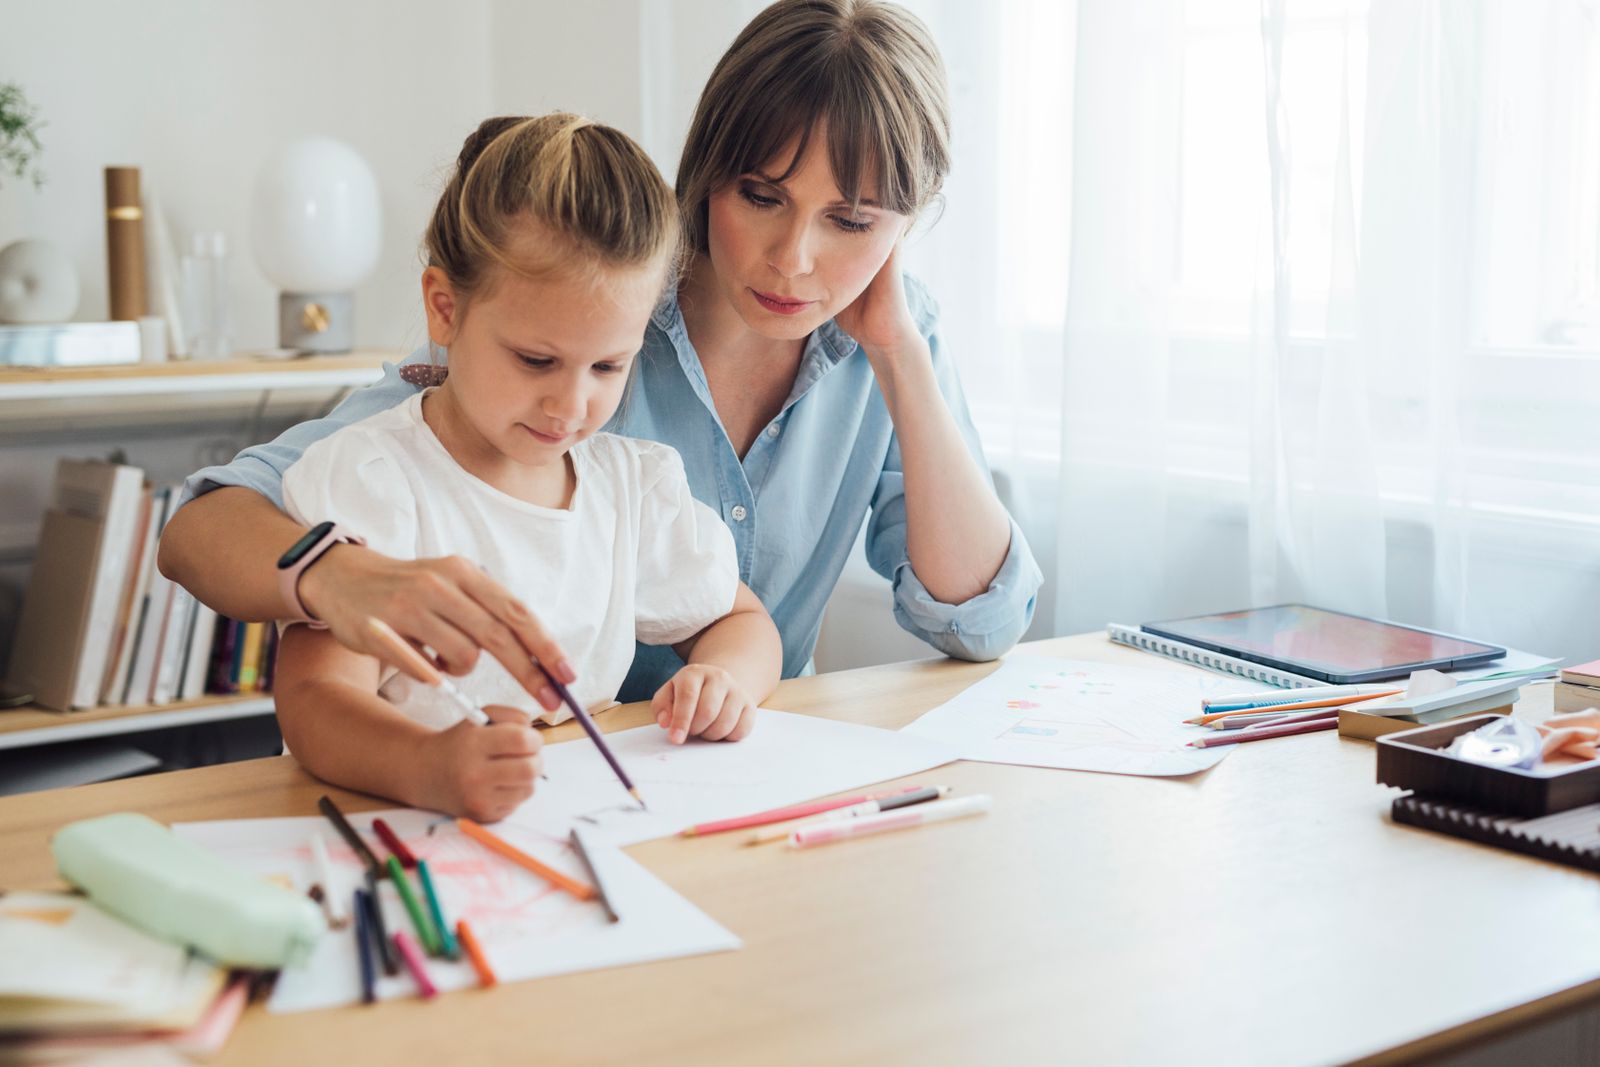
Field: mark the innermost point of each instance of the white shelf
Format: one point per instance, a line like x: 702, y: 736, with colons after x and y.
x: 27, y: 727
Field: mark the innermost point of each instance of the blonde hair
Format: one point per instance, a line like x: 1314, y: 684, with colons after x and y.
x: 870, y: 69
x: 596, y: 197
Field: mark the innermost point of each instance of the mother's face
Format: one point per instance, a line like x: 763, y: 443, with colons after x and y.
x: 789, y: 256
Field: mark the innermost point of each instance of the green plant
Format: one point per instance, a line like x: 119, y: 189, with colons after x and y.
x: 19, y: 135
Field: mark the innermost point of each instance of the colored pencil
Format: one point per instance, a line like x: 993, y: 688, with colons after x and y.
x: 1286, y: 720
x: 582, y: 853
x: 424, y: 928
x: 522, y: 859
x: 793, y: 811
x: 480, y: 962
x: 380, y: 928
x: 364, y: 948
x: 447, y: 940
x: 1304, y: 705
x: 938, y: 811
x: 414, y: 964
x: 856, y: 811
x: 348, y: 832
x: 1234, y: 737
x: 392, y: 842
x: 593, y: 731
x: 1287, y: 696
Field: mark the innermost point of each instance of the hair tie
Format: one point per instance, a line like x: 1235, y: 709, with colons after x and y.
x: 423, y: 375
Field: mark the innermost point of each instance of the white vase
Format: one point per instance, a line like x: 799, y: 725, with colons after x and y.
x: 37, y: 283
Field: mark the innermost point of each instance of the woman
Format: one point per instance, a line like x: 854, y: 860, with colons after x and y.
x: 797, y: 371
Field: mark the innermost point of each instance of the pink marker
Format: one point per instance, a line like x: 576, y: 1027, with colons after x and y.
x: 937, y: 811
x: 413, y: 957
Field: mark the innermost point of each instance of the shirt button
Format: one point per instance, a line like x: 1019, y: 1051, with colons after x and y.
x: 772, y: 431
x: 738, y: 513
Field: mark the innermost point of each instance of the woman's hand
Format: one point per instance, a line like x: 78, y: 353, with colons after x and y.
x: 880, y: 318
x: 703, y: 700
x: 447, y: 604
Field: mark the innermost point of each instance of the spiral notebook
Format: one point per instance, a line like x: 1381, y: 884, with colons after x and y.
x: 1134, y: 637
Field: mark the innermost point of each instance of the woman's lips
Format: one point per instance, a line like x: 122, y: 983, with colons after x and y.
x: 779, y: 305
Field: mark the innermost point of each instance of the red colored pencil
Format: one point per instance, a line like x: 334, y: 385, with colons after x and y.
x: 392, y: 842
x: 1239, y: 737
x: 794, y: 811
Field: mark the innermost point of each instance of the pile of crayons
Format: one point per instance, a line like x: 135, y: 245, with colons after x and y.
x: 1260, y: 716
x: 846, y: 817
x: 376, y: 946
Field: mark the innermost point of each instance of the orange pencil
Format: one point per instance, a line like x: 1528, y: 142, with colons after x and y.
x: 480, y: 962
x: 521, y: 858
x: 1305, y: 705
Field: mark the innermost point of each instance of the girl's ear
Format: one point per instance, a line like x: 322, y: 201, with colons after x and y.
x: 442, y: 306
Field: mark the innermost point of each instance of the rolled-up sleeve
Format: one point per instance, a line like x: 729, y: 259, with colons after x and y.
x: 985, y: 626
x: 261, y: 467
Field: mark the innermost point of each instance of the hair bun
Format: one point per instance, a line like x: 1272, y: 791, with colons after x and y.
x: 483, y: 137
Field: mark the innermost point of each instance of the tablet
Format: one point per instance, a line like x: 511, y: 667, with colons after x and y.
x: 1328, y: 645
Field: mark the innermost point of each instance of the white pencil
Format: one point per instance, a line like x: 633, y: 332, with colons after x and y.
x: 936, y: 811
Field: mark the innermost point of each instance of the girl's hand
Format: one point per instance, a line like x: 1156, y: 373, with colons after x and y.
x: 702, y: 700
x: 484, y: 772
x: 880, y: 319
x: 448, y: 605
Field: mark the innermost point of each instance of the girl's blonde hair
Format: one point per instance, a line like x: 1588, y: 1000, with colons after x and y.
x: 869, y: 69
x: 596, y: 197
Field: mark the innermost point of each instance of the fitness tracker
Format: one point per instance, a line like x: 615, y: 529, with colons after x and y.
x: 301, y: 555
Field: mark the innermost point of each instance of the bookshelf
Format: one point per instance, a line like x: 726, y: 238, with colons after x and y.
x: 32, y: 725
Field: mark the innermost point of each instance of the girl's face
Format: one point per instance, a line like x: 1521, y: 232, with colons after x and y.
x: 791, y: 255
x: 536, y: 367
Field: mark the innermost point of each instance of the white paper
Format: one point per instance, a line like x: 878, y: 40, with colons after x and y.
x: 527, y: 927
x: 1513, y: 660
x: 1083, y: 716
x: 787, y: 759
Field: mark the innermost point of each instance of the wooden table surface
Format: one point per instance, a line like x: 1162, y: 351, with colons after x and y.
x: 1266, y: 911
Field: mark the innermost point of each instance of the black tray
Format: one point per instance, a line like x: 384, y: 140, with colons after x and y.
x: 1415, y: 759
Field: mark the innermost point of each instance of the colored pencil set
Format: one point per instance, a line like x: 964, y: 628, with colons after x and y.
x: 1258, y: 717
x: 824, y: 821
x: 434, y: 936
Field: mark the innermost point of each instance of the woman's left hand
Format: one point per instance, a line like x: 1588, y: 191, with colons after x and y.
x: 880, y: 318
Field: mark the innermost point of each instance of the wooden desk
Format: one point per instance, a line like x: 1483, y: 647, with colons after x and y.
x: 1264, y: 912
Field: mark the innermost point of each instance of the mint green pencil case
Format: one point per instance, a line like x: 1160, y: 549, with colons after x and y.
x: 140, y: 871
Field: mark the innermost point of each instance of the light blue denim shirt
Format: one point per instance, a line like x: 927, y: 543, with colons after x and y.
x: 828, y: 461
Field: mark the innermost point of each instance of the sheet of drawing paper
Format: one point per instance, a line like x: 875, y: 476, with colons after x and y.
x: 789, y: 758
x: 528, y: 928
x: 1083, y: 716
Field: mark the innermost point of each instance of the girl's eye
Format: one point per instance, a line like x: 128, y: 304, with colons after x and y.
x: 853, y: 225
x: 537, y: 362
x: 756, y: 199
x: 607, y: 368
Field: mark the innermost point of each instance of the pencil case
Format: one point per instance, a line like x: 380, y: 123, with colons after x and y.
x: 137, y: 869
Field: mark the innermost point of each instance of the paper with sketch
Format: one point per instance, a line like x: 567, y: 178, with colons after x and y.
x: 527, y: 927
x: 1083, y: 716
x: 787, y: 759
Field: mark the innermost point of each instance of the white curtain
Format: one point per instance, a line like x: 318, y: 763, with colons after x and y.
x: 1330, y: 324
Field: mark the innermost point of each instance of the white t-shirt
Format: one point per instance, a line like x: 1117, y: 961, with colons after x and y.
x: 636, y: 555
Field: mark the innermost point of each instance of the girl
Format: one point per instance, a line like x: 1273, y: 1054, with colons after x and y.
x: 798, y: 373
x: 548, y: 250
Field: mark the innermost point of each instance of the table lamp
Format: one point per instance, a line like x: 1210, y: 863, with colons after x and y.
x: 315, y: 227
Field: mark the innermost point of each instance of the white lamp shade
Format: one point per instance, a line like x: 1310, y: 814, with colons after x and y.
x: 315, y: 218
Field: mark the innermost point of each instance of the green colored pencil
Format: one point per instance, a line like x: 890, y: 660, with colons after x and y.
x: 436, y: 909
x: 425, y: 932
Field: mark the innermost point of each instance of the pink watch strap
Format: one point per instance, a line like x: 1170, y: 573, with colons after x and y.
x: 289, y: 578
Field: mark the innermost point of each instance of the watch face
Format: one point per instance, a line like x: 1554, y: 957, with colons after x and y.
x: 302, y: 546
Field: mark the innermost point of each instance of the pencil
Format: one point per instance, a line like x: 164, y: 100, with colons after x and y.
x: 1304, y: 705
x: 401, y: 654
x: 793, y: 811
x: 425, y: 933
x: 380, y: 929
x: 414, y: 964
x: 600, y: 887
x: 594, y: 733
x: 348, y: 832
x: 447, y: 940
x: 480, y: 962
x: 1235, y: 737
x: 392, y: 842
x: 522, y: 859
x: 364, y: 948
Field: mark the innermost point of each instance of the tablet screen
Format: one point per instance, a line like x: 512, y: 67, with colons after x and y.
x: 1328, y: 641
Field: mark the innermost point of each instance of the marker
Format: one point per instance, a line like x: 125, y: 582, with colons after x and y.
x: 600, y: 887
x: 938, y: 811
x: 522, y: 859
x: 332, y: 898
x: 425, y: 933
x: 793, y: 811
x: 480, y: 962
x: 414, y: 964
x: 447, y: 941
x: 380, y: 929
x: 1262, y: 733
x: 364, y: 949
x: 400, y: 653
x: 392, y: 842
x: 351, y: 838
x: 856, y: 811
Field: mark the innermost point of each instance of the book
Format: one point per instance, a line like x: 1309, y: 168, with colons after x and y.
x: 203, y: 636
x: 153, y: 623
x: 55, y: 610
x: 174, y: 646
x: 132, y: 599
x: 1570, y: 696
x: 1582, y: 674
x: 1567, y: 837
x: 250, y: 658
x: 1365, y: 726
x: 1134, y: 637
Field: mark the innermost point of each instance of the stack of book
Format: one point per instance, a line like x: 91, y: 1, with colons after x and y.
x: 1370, y: 721
x: 1578, y: 688
x: 101, y: 625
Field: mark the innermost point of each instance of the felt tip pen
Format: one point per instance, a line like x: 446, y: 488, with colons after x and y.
x: 856, y: 811
x: 419, y: 919
x: 364, y: 950
x: 937, y: 811
x: 414, y: 964
x: 447, y: 940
